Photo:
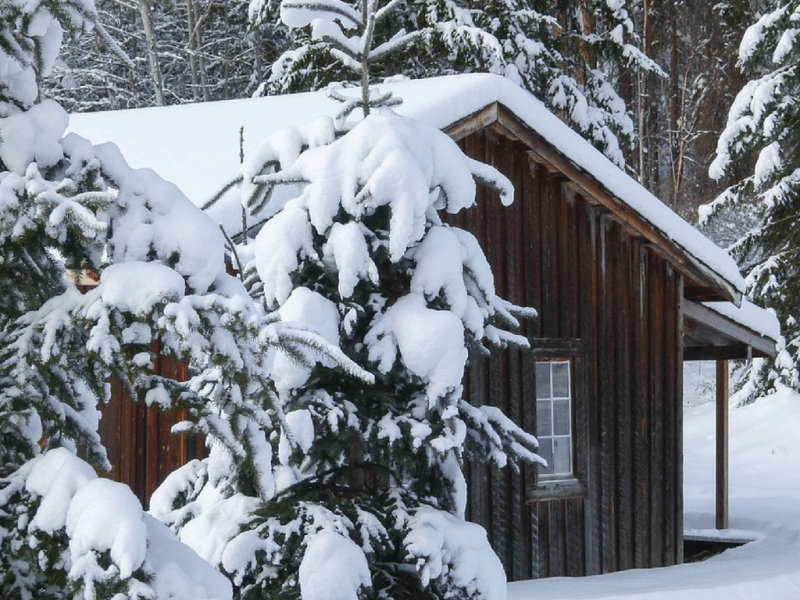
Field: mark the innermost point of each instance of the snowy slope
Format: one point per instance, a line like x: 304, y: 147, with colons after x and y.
x: 764, y: 505
x: 197, y: 146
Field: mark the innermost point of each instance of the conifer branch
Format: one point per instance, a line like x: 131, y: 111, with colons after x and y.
x: 222, y: 191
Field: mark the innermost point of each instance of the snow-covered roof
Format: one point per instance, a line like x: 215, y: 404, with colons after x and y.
x: 757, y: 319
x: 197, y: 146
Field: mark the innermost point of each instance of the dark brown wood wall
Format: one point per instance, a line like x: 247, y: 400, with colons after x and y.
x: 610, y: 303
x: 140, y: 446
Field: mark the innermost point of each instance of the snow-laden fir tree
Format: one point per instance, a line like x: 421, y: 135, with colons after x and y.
x: 368, y: 496
x: 568, y: 54
x: 68, y: 207
x: 764, y: 122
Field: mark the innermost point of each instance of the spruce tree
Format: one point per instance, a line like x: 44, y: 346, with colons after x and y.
x: 569, y: 54
x: 68, y: 208
x: 369, y: 497
x: 764, y: 121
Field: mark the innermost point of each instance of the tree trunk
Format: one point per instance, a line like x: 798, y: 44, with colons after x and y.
x: 191, y: 47
x: 198, y: 41
x: 145, y: 10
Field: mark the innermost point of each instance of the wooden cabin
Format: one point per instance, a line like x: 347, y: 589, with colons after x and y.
x: 625, y: 292
x: 620, y: 309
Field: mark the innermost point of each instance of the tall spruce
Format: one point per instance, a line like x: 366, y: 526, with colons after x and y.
x: 571, y: 55
x: 764, y: 121
x: 69, y: 209
x: 369, y: 496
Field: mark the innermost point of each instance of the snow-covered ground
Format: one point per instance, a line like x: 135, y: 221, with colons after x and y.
x: 764, y: 507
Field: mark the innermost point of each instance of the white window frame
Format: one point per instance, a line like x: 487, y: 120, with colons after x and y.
x: 554, y: 413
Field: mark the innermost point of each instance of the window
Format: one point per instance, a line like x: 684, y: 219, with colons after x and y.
x: 554, y: 418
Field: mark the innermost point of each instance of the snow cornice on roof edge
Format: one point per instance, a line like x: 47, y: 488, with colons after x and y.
x: 196, y: 147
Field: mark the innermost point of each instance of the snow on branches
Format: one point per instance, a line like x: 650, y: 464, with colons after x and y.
x: 68, y: 208
x: 369, y: 496
x: 79, y: 536
x: 352, y: 244
x: 763, y: 122
x: 562, y: 54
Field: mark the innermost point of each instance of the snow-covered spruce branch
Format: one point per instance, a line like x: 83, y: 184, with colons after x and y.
x: 395, y: 44
x: 219, y: 194
x: 263, y: 188
x: 351, y: 103
x: 493, y: 179
x: 497, y: 437
x: 299, y: 13
x: 296, y: 333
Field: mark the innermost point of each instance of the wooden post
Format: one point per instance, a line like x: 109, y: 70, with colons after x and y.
x: 722, y: 444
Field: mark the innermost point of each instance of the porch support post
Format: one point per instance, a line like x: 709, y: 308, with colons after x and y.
x: 722, y: 444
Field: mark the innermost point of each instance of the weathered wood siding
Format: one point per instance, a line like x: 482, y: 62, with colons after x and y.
x: 140, y: 446
x: 611, y: 304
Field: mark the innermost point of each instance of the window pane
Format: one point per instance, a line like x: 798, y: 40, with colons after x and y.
x: 561, y: 456
x: 546, y: 452
x: 543, y: 380
x: 554, y: 417
x: 544, y: 419
x: 561, y: 380
x: 561, y: 417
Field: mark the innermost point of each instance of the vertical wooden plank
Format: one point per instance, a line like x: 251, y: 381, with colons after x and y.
x: 543, y: 530
x: 549, y: 314
x: 678, y: 526
x: 139, y: 466
x: 656, y: 369
x: 533, y: 237
x: 624, y: 422
x: 128, y: 441
x: 531, y: 220
x: 576, y: 559
x: 566, y: 259
x: 520, y: 514
x: 641, y: 447
x: 558, y: 550
x: 606, y: 333
x: 478, y: 501
x: 521, y: 522
x: 152, y: 451
x: 671, y: 414
x: 109, y: 429
x: 587, y: 401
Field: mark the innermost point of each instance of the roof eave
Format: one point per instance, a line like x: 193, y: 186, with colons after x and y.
x: 702, y: 283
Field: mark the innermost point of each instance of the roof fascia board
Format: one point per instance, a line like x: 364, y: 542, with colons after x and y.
x: 735, y: 332
x: 707, y: 283
x: 474, y: 122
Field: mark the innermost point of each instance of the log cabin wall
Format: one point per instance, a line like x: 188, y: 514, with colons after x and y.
x: 610, y: 304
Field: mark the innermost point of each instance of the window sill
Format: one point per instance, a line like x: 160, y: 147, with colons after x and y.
x: 559, y: 489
